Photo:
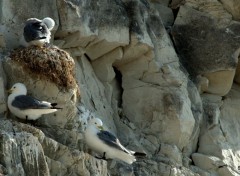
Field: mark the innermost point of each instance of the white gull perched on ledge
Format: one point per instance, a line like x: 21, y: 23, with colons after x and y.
x: 106, y: 144
x: 27, y: 107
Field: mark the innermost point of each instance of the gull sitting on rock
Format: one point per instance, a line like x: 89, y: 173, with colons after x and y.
x: 106, y: 144
x: 37, y: 32
x: 27, y: 107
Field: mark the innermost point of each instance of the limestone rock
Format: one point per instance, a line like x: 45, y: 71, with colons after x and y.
x: 212, y: 114
x: 92, y: 93
x: 165, y: 13
x: 227, y: 171
x: 217, y: 84
x: 229, y: 123
x: 92, y: 20
x: 141, y: 43
x: 220, y: 139
x: 143, y: 79
x: 206, y: 57
x: 133, y: 51
x: 56, y: 167
x: 200, y: 171
x: 202, y: 83
x: 171, y: 152
x: 105, y: 72
x: 103, y: 68
x: 138, y: 111
x: 207, y: 162
x: 175, y: 4
x: 197, y: 111
x: 133, y: 77
x: 21, y: 153
x: 213, y: 8
x: 167, y: 170
x: 146, y: 101
x: 233, y: 7
x: 2, y: 41
x: 72, y: 161
x: 163, y: 2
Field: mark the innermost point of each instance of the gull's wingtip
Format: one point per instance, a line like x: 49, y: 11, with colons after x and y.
x: 140, y: 154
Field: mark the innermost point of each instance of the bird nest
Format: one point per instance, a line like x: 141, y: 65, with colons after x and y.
x: 50, y: 63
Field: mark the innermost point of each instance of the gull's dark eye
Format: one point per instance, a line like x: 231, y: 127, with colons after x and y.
x: 95, y: 123
x: 14, y: 87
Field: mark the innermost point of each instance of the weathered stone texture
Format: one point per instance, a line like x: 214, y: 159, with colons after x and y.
x: 218, y: 142
x: 206, y: 49
x: 213, y: 8
x: 166, y: 82
x: 233, y: 7
x: 22, y: 154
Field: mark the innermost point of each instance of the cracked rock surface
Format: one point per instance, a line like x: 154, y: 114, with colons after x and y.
x: 162, y: 75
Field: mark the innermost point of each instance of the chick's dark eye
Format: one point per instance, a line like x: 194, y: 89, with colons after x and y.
x: 96, y: 123
x: 14, y: 87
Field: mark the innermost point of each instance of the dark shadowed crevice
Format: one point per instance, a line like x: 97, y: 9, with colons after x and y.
x: 175, y: 12
x: 118, y: 91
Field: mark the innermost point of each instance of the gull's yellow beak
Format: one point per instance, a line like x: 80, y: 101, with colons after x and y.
x: 100, y: 128
x: 9, y: 91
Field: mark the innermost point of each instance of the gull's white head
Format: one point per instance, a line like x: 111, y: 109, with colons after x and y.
x: 96, y: 122
x: 19, y: 89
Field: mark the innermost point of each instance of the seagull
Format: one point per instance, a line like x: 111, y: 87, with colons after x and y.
x: 105, y: 143
x: 37, y: 32
x: 27, y: 107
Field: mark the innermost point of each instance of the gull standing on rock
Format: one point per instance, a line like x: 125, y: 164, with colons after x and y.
x: 27, y: 107
x: 106, y: 144
x: 37, y: 32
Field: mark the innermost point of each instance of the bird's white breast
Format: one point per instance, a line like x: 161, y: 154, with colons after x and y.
x: 100, y: 147
x: 32, y: 114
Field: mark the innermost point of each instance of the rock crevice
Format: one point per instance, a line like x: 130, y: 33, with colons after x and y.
x: 162, y: 77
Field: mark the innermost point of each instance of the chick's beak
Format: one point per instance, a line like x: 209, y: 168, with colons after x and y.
x: 100, y: 128
x: 9, y: 91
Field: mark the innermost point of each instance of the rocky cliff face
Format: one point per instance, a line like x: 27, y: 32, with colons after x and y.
x: 163, y: 76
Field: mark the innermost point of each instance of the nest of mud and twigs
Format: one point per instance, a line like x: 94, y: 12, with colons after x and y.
x: 50, y: 63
